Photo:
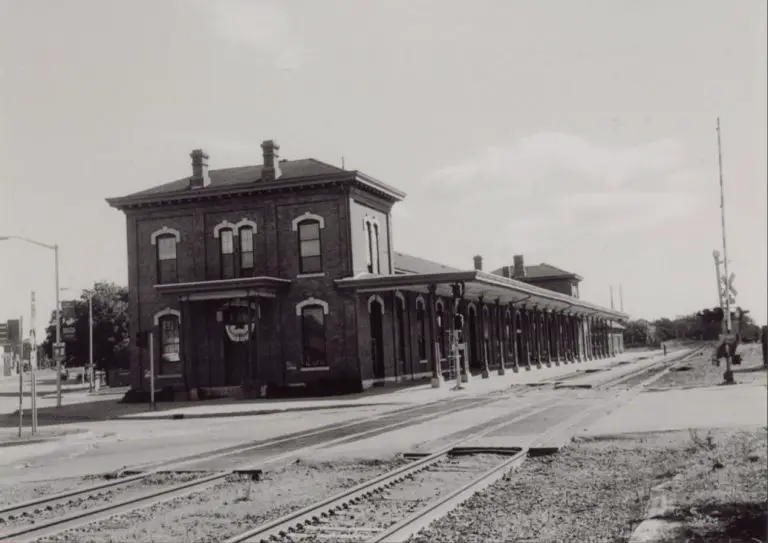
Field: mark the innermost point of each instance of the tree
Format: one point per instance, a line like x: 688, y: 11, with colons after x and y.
x: 110, y: 328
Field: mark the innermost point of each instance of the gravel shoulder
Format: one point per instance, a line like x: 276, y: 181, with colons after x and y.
x: 223, y: 510
x: 723, y: 493
x: 700, y: 372
x: 598, y: 489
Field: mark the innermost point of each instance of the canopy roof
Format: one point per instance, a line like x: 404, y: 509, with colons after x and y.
x: 479, y: 284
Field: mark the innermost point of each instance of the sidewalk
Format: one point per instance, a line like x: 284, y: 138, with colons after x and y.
x: 409, y: 395
x: 718, y: 406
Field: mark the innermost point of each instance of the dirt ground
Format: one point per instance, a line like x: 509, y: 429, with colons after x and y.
x: 598, y: 489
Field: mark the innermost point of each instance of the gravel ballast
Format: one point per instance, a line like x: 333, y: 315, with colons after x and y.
x: 358, y: 522
x: 223, y: 510
x: 597, y: 489
x: 98, y: 498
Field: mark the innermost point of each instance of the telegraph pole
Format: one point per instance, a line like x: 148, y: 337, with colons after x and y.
x: 728, y: 375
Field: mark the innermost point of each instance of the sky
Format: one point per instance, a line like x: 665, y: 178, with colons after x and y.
x: 581, y: 134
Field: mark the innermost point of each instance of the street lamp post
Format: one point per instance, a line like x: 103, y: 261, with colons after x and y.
x: 55, y: 249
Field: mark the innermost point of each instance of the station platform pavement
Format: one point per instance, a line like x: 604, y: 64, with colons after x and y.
x: 410, y: 394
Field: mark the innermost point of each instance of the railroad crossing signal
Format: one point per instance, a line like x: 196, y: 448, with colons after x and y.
x: 728, y: 289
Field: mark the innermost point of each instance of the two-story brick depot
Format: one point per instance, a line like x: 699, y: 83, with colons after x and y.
x: 282, y: 278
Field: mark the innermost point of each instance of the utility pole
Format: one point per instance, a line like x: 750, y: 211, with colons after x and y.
x: 33, y: 361
x: 728, y: 375
x: 21, y: 374
x: 621, y: 299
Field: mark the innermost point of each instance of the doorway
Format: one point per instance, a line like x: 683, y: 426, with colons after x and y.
x: 376, y: 310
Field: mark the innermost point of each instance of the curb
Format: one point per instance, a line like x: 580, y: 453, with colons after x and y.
x: 230, y: 414
x: 654, y: 528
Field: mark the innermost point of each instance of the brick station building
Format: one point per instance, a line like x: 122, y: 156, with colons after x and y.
x: 282, y: 276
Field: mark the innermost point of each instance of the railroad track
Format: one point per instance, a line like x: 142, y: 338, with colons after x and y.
x: 27, y: 521
x: 393, y: 507
x: 460, y: 476
x: 646, y: 373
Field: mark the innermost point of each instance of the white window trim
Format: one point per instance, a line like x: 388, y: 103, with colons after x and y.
x: 439, y: 303
x: 376, y: 298
x: 235, y: 227
x: 223, y: 225
x: 420, y: 301
x: 309, y: 302
x: 305, y: 217
x: 471, y: 305
x: 165, y: 231
x: 245, y: 222
x: 165, y: 313
x: 399, y: 295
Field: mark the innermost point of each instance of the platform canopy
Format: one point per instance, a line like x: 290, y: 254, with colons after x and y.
x: 477, y: 284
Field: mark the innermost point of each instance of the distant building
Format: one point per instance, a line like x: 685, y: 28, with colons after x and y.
x: 284, y: 275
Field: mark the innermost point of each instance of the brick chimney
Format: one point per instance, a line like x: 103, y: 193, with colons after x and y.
x: 478, y: 262
x: 506, y: 271
x: 200, y: 177
x: 271, y: 168
x: 519, y: 266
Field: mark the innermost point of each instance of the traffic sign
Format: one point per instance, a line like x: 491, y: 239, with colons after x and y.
x: 60, y: 350
x: 68, y: 332
x: 68, y: 310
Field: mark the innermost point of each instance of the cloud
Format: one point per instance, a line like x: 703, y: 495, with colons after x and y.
x: 550, y: 189
x: 261, y: 25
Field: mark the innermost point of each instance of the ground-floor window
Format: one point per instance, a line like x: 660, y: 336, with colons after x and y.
x: 170, y: 359
x: 313, y: 336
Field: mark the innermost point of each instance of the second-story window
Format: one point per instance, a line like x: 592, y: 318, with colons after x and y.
x: 369, y: 245
x: 227, y: 253
x: 246, y: 251
x: 167, y: 271
x: 376, y: 248
x: 310, y: 257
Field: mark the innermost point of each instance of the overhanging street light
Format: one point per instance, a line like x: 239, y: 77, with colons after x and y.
x: 55, y: 249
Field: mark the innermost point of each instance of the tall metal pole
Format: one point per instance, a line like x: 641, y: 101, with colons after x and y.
x: 33, y: 351
x: 728, y: 375
x: 21, y: 374
x: 90, y: 341
x: 58, y: 329
x: 716, y: 256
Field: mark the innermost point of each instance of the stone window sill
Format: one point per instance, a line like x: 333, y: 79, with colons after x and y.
x: 319, y: 368
x: 310, y: 275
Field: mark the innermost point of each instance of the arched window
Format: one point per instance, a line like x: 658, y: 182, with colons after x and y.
x: 167, y: 270
x: 421, y: 321
x: 369, y: 243
x: 401, y: 331
x: 376, y: 252
x: 313, y: 336
x: 170, y: 361
x: 227, y: 253
x: 246, y: 250
x: 310, y: 257
x: 441, y: 328
x: 508, y: 330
